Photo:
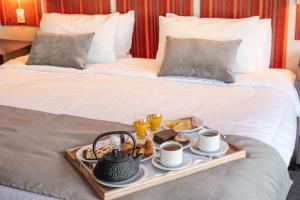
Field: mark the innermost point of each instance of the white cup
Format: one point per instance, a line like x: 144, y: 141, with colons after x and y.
x: 209, y: 140
x: 171, y: 157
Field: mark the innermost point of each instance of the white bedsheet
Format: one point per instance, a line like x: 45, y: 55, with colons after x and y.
x: 262, y: 106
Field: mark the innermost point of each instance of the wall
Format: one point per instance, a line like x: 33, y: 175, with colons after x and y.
x: 293, y: 46
x: 31, y: 10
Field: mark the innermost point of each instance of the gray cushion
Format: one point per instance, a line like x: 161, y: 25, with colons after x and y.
x: 200, y: 58
x: 60, y: 50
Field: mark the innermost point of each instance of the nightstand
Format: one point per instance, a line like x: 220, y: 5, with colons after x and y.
x: 10, y: 49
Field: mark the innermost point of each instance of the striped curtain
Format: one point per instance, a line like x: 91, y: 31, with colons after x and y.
x: 31, y: 8
x: 297, y: 34
x: 78, y: 6
x: 275, y: 9
x: 145, y: 38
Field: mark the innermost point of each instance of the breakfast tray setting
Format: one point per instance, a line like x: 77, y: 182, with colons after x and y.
x: 152, y: 176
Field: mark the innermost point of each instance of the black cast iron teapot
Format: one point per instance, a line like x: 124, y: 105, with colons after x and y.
x: 116, y: 165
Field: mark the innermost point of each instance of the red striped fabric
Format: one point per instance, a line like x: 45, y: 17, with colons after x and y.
x: 78, y: 6
x: 297, y: 34
x: 31, y: 8
x: 275, y: 9
x: 145, y: 37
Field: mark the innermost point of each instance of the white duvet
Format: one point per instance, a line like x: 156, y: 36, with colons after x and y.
x: 262, y: 106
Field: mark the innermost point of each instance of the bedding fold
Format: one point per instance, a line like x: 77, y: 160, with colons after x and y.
x: 261, y: 106
x: 280, y: 80
x: 32, y: 145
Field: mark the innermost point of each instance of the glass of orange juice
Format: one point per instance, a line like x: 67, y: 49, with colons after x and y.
x: 141, y: 125
x: 155, y: 121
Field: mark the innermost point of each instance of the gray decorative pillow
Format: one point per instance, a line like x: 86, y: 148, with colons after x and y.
x: 60, y: 50
x: 200, y: 58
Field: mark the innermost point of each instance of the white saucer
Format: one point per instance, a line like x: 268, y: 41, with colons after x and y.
x: 200, y: 124
x: 224, y: 147
x: 141, y: 175
x: 79, y: 155
x: 187, y: 161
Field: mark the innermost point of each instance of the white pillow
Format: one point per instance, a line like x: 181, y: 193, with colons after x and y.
x: 263, y: 33
x: 204, y: 19
x: 124, y: 34
x: 193, y: 27
x: 265, y: 41
x: 104, y: 27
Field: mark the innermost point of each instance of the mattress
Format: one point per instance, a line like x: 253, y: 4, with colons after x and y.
x: 263, y: 106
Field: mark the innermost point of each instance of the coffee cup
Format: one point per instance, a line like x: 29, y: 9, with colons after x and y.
x: 171, y: 154
x: 209, y: 140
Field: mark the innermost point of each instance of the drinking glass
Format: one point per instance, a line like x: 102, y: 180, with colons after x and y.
x: 155, y: 121
x: 141, y: 124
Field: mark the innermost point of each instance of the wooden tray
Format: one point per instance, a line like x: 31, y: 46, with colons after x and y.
x: 107, y: 193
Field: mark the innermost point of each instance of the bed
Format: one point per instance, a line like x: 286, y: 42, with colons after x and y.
x: 263, y: 106
x: 267, y: 102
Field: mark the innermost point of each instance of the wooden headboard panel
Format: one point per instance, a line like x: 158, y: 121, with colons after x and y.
x: 145, y: 39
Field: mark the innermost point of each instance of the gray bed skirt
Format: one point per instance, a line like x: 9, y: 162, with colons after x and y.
x: 32, y: 159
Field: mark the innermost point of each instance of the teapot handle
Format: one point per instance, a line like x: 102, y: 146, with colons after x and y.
x: 113, y: 133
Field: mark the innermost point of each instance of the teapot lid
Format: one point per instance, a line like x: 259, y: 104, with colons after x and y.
x: 116, y: 156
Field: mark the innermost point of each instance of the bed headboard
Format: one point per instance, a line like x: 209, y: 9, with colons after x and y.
x: 145, y: 39
x: 78, y: 6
